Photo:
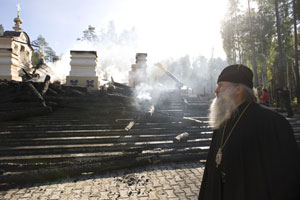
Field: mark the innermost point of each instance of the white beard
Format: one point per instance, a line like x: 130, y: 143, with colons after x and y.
x: 222, y: 107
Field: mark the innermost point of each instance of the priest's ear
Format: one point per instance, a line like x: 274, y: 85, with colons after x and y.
x: 239, y: 89
x: 239, y: 94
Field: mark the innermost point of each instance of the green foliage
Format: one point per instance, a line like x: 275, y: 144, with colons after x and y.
x: 235, y: 32
x: 228, y: 42
x: 1, y: 29
x: 231, y: 33
x: 41, y: 48
x: 109, y: 36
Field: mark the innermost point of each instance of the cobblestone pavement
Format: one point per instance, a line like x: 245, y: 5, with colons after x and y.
x: 162, y: 181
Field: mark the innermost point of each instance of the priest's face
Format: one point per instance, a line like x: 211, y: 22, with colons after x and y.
x: 224, y: 104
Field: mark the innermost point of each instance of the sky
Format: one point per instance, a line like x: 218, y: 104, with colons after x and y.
x: 166, y: 28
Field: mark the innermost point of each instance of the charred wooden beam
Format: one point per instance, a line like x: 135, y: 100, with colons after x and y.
x: 9, y: 97
x: 36, y: 93
x: 185, y: 101
x: 13, y: 106
x: 119, y: 88
x: 25, y: 113
x: 129, y: 126
x: 77, y: 92
x: 74, y: 90
x: 52, y: 92
x: 181, y: 138
x: 151, y: 111
x: 179, y: 84
x: 193, y: 119
x: 119, y: 85
x: 46, y: 85
x: 57, y: 88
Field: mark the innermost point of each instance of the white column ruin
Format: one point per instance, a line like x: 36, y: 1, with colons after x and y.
x: 138, y: 73
x: 83, y: 70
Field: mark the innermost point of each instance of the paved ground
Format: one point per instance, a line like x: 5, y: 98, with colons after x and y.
x: 163, y: 181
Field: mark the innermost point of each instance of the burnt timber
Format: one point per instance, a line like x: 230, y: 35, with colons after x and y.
x: 67, y: 131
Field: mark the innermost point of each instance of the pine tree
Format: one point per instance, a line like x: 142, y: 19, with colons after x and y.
x: 42, y: 49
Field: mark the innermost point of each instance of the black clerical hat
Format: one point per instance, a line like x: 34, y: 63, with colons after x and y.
x: 237, y: 74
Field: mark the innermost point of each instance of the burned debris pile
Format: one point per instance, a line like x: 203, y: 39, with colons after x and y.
x: 51, y: 131
x: 22, y: 99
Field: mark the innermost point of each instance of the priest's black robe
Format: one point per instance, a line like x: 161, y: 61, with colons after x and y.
x: 261, y: 160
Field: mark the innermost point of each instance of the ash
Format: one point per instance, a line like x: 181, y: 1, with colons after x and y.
x: 135, y: 185
x: 133, y: 179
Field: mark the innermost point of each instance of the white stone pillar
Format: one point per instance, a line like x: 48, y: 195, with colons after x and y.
x: 83, y: 70
x: 131, y: 77
x: 138, y: 73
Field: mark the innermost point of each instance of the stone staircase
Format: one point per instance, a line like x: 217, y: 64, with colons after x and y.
x: 88, y: 134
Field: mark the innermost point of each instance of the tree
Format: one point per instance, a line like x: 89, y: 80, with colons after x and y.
x: 1, y: 30
x: 238, y: 37
x: 89, y: 35
x: 296, y: 66
x: 231, y: 33
x: 42, y: 49
x: 297, y: 9
x: 278, y: 30
x: 264, y: 34
x: 273, y: 38
x: 254, y: 63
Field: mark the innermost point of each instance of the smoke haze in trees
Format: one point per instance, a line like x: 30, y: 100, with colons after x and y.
x: 116, y: 53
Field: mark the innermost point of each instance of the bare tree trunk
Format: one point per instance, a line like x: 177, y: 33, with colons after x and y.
x: 237, y: 37
x: 234, y: 55
x: 253, y: 49
x: 265, y: 74
x: 287, y: 76
x: 296, y: 66
x: 280, y: 66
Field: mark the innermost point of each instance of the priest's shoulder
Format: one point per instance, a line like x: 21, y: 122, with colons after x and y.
x: 263, y: 112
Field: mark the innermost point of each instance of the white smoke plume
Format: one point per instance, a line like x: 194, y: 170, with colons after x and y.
x: 116, y: 53
x: 60, y: 69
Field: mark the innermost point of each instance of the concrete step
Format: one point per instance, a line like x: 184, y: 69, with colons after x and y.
x: 103, y: 147
x: 98, y: 129
x: 101, y: 132
x: 127, y: 137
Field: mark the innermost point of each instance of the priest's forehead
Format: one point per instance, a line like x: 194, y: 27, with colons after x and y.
x: 225, y: 84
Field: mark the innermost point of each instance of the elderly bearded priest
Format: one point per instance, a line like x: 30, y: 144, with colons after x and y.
x: 253, y: 153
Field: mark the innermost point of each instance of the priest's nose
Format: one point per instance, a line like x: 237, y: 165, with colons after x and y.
x: 217, y: 90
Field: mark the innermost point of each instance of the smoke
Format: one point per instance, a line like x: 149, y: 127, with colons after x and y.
x: 59, y: 69
x: 143, y: 92
x: 197, y: 73
x: 116, y: 53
